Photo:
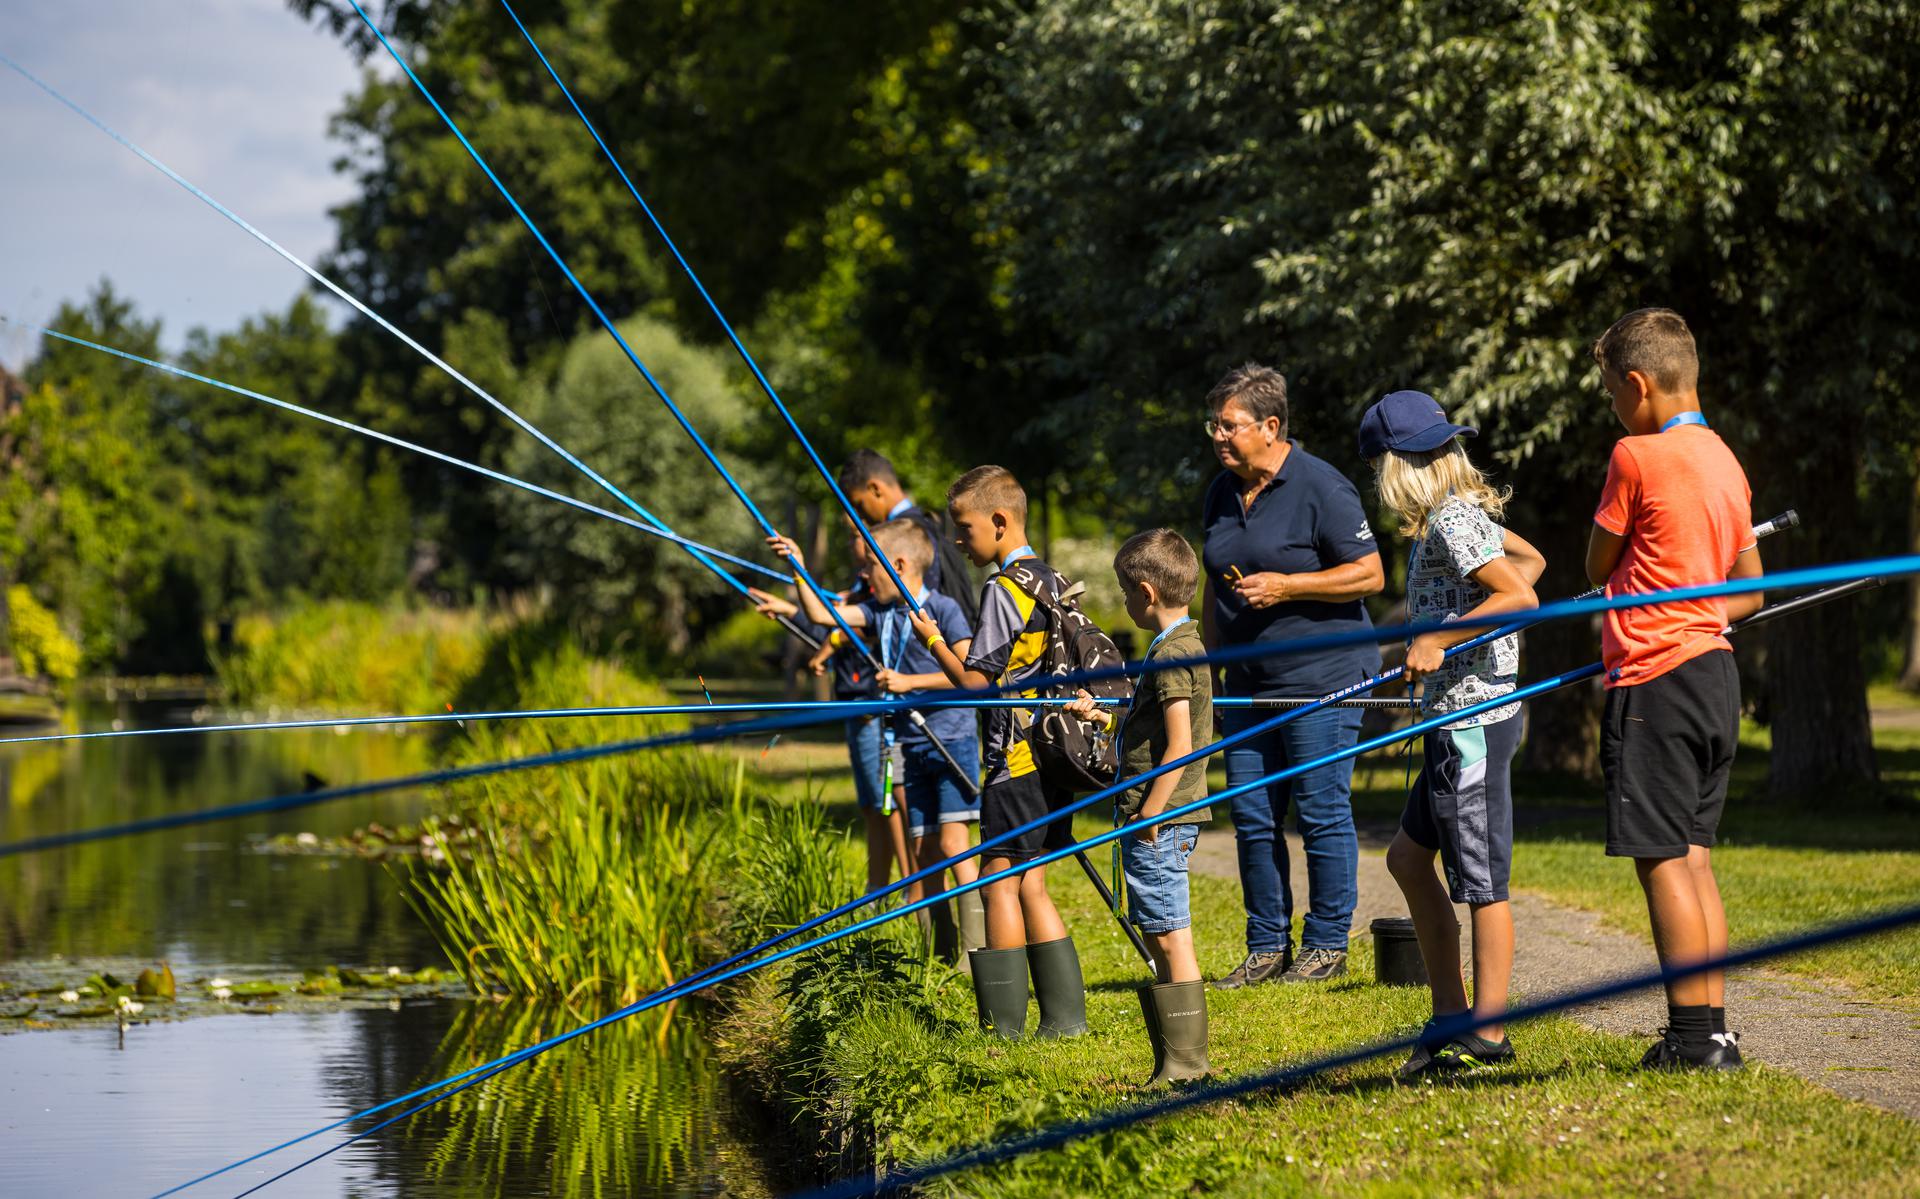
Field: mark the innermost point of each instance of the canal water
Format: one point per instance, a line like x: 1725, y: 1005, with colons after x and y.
x: 633, y: 1110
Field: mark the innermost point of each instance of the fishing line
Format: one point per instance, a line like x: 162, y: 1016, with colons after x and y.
x: 726, y: 326
x: 1418, y: 728
x: 371, y: 315
x: 654, y: 530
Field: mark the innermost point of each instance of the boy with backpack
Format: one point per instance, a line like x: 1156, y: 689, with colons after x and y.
x: 1015, y: 643
x: 1676, y: 511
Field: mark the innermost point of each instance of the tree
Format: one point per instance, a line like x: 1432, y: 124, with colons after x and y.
x: 1461, y: 198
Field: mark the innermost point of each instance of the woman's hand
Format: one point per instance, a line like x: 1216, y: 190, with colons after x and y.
x: 771, y: 606
x: 1424, y: 656
x: 1263, y: 590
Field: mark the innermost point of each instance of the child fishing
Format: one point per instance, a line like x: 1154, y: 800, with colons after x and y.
x: 1462, y: 564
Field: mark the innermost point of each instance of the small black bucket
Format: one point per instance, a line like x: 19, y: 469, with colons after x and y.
x: 1396, y: 953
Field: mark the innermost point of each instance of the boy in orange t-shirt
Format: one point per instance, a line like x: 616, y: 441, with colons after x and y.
x: 1676, y: 512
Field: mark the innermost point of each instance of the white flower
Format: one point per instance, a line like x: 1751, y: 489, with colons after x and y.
x: 392, y: 971
x: 306, y: 839
x: 218, y: 983
x: 131, y: 1008
x: 222, y: 993
x: 69, y: 997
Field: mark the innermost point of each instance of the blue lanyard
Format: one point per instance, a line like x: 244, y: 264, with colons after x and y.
x: 1025, y: 551
x: 1685, y: 418
x: 890, y: 629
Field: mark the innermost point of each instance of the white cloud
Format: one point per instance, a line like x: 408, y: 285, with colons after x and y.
x: 233, y: 94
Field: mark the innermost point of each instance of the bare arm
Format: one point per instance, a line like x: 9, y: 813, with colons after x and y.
x: 899, y: 684
x: 1510, y: 592
x: 1746, y: 566
x: 1603, y: 554
x: 1348, y: 581
x: 1530, y: 562
x: 1179, y: 745
x: 811, y: 603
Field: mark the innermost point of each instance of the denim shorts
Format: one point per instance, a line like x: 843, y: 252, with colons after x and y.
x: 867, y: 751
x: 934, y: 794
x: 1157, y: 878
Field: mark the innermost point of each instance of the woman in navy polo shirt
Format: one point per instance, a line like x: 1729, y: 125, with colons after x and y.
x: 1288, y: 555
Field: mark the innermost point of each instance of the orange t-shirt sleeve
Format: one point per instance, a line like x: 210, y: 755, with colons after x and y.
x: 1621, y: 495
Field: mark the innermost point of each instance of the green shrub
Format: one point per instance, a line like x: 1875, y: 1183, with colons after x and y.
x: 39, y: 645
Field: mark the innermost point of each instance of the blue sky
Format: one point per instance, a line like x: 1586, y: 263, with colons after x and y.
x: 233, y: 94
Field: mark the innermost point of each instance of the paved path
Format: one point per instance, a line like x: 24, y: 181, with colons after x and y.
x: 1817, y: 1029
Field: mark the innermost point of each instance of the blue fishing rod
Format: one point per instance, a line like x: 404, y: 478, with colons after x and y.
x: 726, y: 326
x: 480, y: 1073
x: 700, y: 554
x: 834, y: 708
x: 593, y: 305
x: 659, y: 531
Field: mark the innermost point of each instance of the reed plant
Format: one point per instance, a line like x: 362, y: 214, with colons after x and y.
x: 347, y: 656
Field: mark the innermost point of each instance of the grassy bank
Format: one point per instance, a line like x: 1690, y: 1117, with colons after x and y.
x: 886, y: 1061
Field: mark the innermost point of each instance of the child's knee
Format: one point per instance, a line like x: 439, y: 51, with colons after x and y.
x: 1406, y: 859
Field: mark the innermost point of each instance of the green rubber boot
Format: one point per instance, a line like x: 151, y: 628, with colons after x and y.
x: 1000, y: 990
x: 1059, y: 988
x: 946, y: 934
x: 1177, y: 1021
x: 973, y: 927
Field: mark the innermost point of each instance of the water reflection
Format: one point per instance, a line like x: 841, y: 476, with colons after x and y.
x: 197, y: 895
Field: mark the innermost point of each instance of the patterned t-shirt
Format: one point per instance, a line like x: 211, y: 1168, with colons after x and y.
x: 1009, y: 647
x: 1460, y: 540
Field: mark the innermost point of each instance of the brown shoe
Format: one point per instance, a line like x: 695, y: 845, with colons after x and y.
x: 1316, y: 965
x: 1260, y: 967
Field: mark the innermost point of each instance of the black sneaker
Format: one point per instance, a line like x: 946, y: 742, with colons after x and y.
x: 1470, y: 1051
x: 1431, y: 1042
x: 1669, y: 1053
x: 1260, y: 967
x: 1316, y: 965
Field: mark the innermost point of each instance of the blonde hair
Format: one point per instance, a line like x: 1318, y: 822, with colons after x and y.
x: 988, y: 489
x: 903, y: 539
x: 1414, y: 485
x: 1161, y: 557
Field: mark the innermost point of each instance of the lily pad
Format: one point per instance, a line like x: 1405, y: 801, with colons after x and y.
x: 257, y: 989
x: 18, y: 1011
x: 155, y: 984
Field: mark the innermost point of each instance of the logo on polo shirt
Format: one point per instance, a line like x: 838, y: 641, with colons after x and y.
x: 1366, y: 533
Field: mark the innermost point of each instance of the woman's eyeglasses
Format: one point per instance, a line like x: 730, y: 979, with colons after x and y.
x: 1217, y: 429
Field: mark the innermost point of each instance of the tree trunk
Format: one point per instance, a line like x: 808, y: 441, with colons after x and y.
x: 1816, y: 679
x: 1910, y: 675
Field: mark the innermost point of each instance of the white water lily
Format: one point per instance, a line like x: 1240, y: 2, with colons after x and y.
x: 222, y: 993
x: 392, y: 971
x: 218, y: 983
x: 69, y: 997
x: 306, y: 839
x: 130, y: 1007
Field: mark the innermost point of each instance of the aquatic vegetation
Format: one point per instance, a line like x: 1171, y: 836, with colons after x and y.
x: 350, y: 656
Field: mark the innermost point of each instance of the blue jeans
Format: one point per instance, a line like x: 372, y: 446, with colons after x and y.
x: 1323, y: 802
x: 869, y: 757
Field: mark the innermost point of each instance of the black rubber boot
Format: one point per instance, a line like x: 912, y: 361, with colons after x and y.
x: 1059, y: 988
x: 1000, y: 990
x: 1177, y: 1021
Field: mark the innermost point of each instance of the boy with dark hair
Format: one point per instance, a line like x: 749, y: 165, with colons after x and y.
x: 876, y: 493
x: 1676, y: 511
x: 1025, y: 936
x: 1172, y: 713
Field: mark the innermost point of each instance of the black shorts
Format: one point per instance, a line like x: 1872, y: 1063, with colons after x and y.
x: 1666, y: 747
x: 1462, y: 806
x: 1010, y: 803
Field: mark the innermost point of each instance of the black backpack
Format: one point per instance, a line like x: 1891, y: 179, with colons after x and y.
x: 1069, y: 752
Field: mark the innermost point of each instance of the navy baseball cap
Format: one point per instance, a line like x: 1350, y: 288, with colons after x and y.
x: 1411, y: 421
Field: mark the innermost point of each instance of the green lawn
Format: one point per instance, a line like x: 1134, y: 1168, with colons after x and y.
x: 1572, y: 1117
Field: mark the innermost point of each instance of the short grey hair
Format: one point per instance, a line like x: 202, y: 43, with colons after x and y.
x: 1261, y: 390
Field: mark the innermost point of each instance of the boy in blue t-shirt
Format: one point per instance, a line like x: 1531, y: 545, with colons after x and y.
x: 939, y: 808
